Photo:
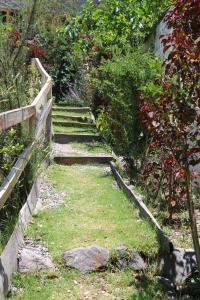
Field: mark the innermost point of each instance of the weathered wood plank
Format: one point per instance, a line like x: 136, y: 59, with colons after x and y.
x: 42, y: 122
x: 16, y: 116
x: 40, y: 108
x: 41, y: 97
x: 15, y: 173
x: 41, y: 68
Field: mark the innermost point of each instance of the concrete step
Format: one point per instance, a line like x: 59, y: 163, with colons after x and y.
x: 74, y: 124
x: 64, y: 138
x: 71, y: 160
x: 73, y: 118
x: 72, y: 109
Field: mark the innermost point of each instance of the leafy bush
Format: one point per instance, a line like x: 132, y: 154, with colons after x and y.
x: 71, y: 101
x: 117, y: 84
x: 9, y: 151
x: 114, y: 22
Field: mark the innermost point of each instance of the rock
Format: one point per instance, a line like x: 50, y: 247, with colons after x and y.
x: 122, y: 257
x: 178, y: 265
x: 86, y: 259
x: 136, y: 262
x: 129, y: 259
x: 33, y: 258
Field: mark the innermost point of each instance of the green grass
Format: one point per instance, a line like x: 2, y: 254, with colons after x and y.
x: 96, y: 212
x: 57, y: 121
x: 66, y: 113
x: 93, y: 148
x: 72, y: 285
x: 76, y: 130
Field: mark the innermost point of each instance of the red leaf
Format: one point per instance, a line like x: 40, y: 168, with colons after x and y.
x: 166, y: 48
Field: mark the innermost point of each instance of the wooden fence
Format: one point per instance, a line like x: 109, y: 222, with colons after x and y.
x: 38, y: 114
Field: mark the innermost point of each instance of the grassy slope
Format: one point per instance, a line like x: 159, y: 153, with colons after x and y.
x: 95, y: 212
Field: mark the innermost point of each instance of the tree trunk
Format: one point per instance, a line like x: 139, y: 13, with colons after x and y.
x: 191, y: 210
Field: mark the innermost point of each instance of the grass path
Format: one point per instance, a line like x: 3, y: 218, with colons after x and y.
x: 95, y: 212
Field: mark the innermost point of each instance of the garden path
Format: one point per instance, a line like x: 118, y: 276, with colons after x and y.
x: 89, y: 210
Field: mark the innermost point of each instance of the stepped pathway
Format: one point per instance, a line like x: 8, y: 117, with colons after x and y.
x: 88, y: 209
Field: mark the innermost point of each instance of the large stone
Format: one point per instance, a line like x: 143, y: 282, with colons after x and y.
x: 33, y: 259
x: 86, y: 259
x: 178, y: 265
x: 126, y: 258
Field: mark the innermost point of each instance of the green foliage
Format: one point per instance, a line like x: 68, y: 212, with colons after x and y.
x: 116, y: 97
x: 102, y: 45
x: 74, y: 45
x: 14, y: 80
x: 112, y: 22
x: 62, y: 63
x: 71, y: 101
x: 9, y: 151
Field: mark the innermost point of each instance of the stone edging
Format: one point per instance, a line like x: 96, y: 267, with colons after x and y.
x: 8, y: 258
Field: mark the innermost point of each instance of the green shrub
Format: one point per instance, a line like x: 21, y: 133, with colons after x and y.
x: 115, y: 87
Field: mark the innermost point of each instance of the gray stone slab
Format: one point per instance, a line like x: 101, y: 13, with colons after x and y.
x: 178, y: 265
x: 87, y: 259
x: 129, y: 258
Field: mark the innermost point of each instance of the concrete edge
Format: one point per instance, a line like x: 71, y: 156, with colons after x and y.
x: 63, y: 138
x: 74, y: 124
x: 71, y: 160
x: 73, y: 109
x: 137, y: 199
x: 8, y: 258
x: 74, y: 118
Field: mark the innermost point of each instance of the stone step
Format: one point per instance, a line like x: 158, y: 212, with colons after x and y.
x: 73, y: 118
x: 92, y: 159
x: 74, y: 124
x: 72, y: 109
x: 64, y: 138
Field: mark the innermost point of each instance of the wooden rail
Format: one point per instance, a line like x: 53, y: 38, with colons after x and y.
x: 39, y: 116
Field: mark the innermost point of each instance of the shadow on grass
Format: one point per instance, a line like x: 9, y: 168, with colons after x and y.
x: 146, y: 288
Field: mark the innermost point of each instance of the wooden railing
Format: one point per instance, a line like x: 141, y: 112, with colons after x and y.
x: 38, y: 114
